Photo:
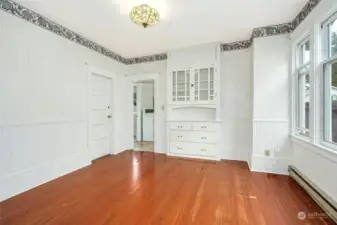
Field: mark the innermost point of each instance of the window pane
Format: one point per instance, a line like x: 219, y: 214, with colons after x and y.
x: 330, y: 102
x: 333, y: 38
x: 303, y: 104
x: 305, y: 51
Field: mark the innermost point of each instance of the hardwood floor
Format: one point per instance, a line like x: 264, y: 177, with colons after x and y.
x: 145, y: 188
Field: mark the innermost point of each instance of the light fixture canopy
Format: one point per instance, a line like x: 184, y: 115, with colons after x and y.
x: 144, y: 15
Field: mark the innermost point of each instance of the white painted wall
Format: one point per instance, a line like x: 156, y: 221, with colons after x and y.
x: 43, y: 102
x: 316, y: 163
x: 236, y: 104
x: 270, y: 104
x: 143, y: 71
x: 147, y: 94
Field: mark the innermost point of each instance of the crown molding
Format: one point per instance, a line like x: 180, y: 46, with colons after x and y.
x: 143, y: 59
x: 34, y: 18
x: 306, y: 10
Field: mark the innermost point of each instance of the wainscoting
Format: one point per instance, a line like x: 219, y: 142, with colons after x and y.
x: 270, y: 135
x: 34, y: 154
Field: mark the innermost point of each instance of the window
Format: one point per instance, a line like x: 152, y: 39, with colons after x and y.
x: 330, y: 81
x: 303, y: 88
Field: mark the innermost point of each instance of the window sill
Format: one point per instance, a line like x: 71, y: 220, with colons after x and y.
x: 317, y: 149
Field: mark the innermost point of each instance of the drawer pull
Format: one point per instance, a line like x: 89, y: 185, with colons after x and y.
x: 180, y: 136
x: 203, y: 150
x: 203, y: 127
x: 180, y: 148
x: 203, y: 138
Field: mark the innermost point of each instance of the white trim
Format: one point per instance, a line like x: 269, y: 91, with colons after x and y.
x: 155, y: 78
x: 271, y: 120
x: 317, y: 149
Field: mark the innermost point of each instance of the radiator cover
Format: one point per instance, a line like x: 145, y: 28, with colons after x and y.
x: 318, y: 195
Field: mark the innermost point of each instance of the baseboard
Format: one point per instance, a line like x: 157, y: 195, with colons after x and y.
x: 193, y: 157
x: 317, y: 194
x: 272, y: 165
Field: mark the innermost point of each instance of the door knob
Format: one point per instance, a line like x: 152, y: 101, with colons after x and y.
x: 109, y: 116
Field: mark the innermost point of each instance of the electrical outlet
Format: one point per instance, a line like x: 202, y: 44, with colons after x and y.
x: 267, y: 152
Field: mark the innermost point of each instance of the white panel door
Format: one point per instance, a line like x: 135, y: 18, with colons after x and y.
x: 100, y: 116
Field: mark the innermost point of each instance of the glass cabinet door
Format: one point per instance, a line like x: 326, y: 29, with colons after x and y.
x: 181, y: 86
x: 204, y: 84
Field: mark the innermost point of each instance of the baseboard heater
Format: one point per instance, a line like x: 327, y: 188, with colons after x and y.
x: 319, y: 196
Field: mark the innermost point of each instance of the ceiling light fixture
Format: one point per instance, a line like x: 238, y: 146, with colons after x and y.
x: 144, y: 15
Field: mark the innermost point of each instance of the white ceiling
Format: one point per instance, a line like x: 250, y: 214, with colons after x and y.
x: 183, y: 22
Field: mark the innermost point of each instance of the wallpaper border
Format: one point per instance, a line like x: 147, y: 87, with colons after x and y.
x: 35, y: 18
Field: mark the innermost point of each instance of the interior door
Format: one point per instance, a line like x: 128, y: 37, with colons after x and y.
x: 100, y: 116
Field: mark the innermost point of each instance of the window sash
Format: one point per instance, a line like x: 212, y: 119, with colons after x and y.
x: 301, y: 115
x: 327, y: 36
x: 327, y: 104
x: 300, y: 52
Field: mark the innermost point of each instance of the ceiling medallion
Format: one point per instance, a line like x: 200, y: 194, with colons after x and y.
x: 144, y: 15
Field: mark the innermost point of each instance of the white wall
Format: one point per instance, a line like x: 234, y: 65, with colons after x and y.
x: 236, y: 104
x: 43, y: 102
x: 270, y: 104
x: 147, y: 94
x: 316, y: 163
x: 143, y: 70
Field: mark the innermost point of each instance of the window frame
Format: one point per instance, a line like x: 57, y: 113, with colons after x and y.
x: 328, y: 60
x: 299, y: 65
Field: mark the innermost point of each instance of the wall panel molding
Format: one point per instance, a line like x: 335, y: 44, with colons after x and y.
x: 34, y: 18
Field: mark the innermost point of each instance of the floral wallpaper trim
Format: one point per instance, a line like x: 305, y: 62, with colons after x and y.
x: 33, y: 17
x: 143, y: 59
x: 304, y: 13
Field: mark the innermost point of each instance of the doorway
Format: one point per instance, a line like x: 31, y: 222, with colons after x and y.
x: 143, y: 115
x: 100, y: 115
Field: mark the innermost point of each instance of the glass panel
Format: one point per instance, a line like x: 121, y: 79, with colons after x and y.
x: 196, y: 85
x: 181, y: 76
x: 305, y: 53
x: 174, y: 74
x: 333, y: 38
x: 211, y: 85
x: 330, y: 102
x: 203, y: 95
x: 303, y: 104
x: 188, y: 84
x: 204, y: 86
x: 204, y: 75
x: 181, y: 93
x: 181, y: 87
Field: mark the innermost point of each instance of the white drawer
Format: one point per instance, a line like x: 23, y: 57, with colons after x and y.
x: 204, y: 137
x: 180, y: 126
x: 205, y: 126
x: 193, y: 136
x: 197, y: 149
x: 204, y: 150
x: 180, y: 148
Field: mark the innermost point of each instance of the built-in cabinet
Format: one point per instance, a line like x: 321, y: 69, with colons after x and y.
x: 193, y: 106
x: 193, y: 85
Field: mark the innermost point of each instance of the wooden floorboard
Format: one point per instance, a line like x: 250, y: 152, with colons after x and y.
x: 141, y: 188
